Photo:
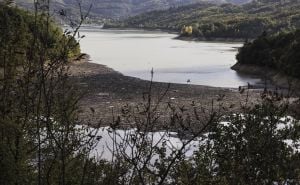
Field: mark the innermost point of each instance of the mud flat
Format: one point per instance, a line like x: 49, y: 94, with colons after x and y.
x: 106, y: 91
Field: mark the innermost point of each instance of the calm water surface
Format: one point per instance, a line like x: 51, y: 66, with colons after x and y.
x: 135, y: 53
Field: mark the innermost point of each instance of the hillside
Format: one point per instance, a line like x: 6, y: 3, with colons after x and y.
x: 224, y: 21
x: 19, y: 30
x: 119, y: 9
x: 278, y: 52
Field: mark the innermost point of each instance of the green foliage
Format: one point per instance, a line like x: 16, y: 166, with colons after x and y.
x: 247, y: 148
x: 280, y: 52
x: 222, y: 21
x: 37, y: 105
x: 20, y: 30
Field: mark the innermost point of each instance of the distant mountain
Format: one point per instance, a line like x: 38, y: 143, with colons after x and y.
x: 238, y: 1
x: 221, y: 21
x: 122, y: 8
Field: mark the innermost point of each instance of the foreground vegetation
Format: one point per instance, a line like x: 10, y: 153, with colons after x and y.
x: 223, y: 21
x: 43, y: 142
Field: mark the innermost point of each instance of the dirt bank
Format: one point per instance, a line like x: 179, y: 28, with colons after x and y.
x: 277, y: 79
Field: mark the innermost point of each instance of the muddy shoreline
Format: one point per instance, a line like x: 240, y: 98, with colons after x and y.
x: 106, y: 91
x: 278, y: 79
x: 171, y: 31
x: 211, y: 39
x: 179, y: 37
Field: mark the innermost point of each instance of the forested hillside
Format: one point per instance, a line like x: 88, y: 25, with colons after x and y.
x: 116, y: 9
x: 20, y: 29
x: 280, y: 52
x: 223, y: 21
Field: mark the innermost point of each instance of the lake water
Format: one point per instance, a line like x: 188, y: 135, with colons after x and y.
x: 123, y: 137
x: 171, y: 140
x: 135, y: 53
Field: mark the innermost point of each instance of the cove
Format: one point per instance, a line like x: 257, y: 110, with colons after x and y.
x: 135, y: 52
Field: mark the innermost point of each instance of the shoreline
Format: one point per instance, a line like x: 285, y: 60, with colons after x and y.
x: 213, y: 39
x: 141, y: 29
x: 178, y: 37
x: 277, y: 79
x: 106, y: 91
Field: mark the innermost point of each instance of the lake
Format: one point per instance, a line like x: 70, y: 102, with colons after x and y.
x: 136, y: 52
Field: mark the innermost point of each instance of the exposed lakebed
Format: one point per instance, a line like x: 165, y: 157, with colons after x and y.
x: 135, y: 52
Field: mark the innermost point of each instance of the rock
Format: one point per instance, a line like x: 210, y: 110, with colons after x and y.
x: 103, y: 94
